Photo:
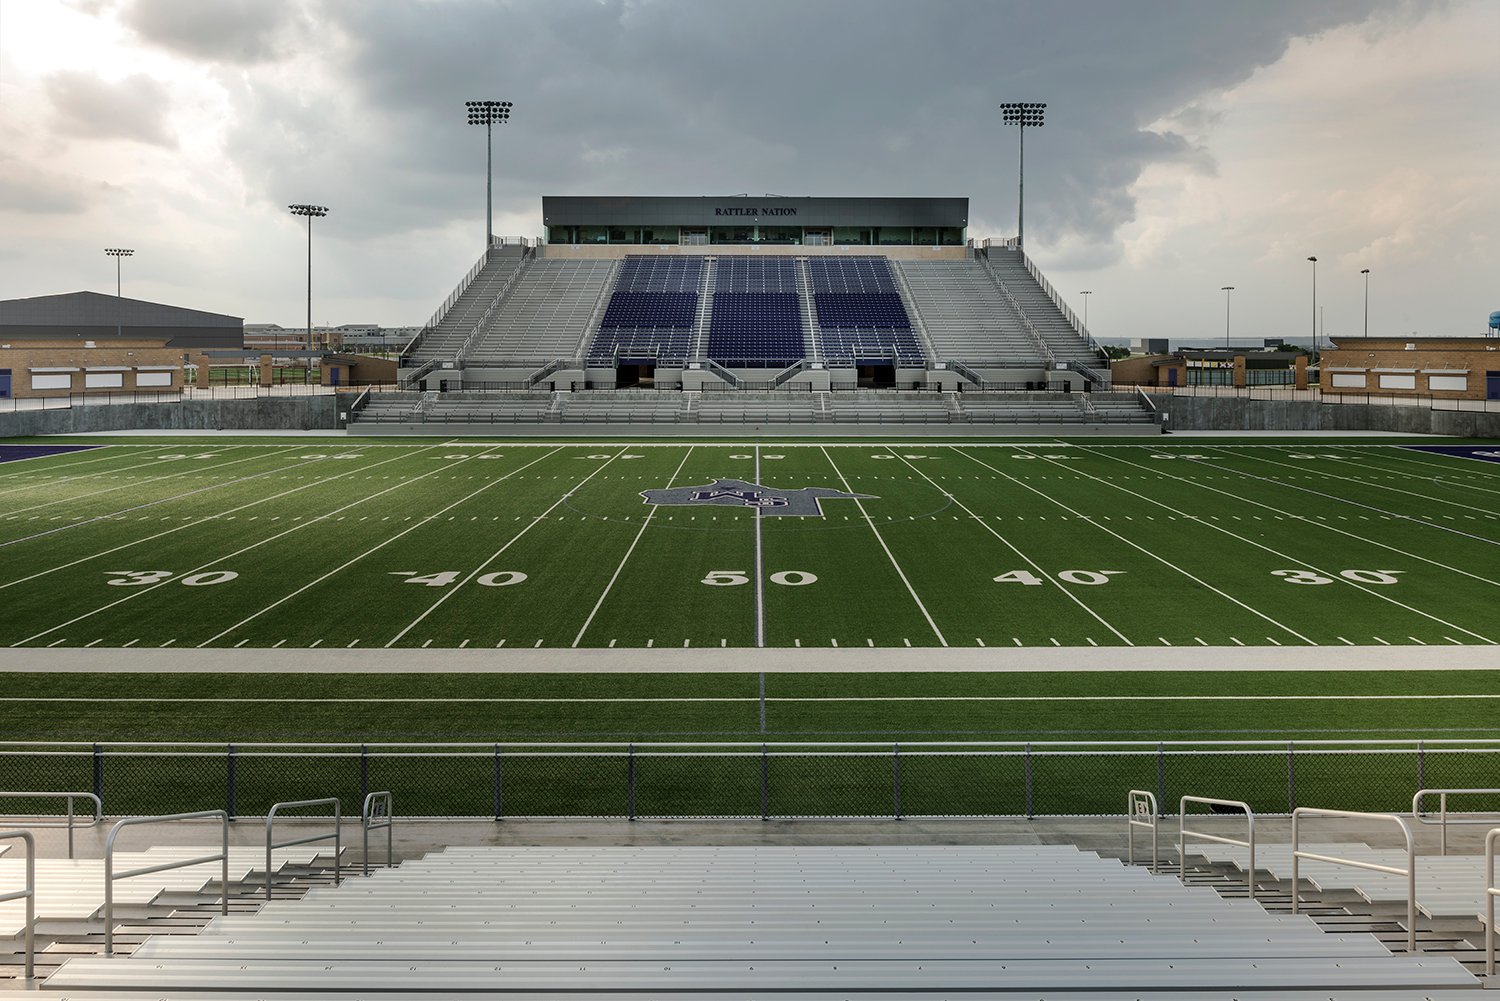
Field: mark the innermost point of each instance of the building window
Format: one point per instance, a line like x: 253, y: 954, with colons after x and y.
x: 850, y: 236
x: 52, y: 381
x: 730, y: 234
x: 148, y: 379
x: 593, y: 234
x: 781, y: 234
x: 1348, y: 380
x: 1389, y: 381
x: 894, y: 236
x: 103, y: 380
x: 1448, y: 383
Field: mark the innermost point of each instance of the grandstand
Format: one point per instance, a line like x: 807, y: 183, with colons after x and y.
x: 861, y: 294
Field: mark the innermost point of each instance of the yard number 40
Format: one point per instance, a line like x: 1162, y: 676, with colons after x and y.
x: 1089, y: 577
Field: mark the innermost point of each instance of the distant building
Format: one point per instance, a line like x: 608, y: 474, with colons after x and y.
x: 1459, y: 368
x: 1233, y: 366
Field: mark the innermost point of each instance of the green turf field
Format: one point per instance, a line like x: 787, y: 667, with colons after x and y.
x: 372, y: 544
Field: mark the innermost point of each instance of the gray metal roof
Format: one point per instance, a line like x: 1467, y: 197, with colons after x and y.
x: 88, y: 309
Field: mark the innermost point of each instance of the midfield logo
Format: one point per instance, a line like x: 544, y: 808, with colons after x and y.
x: 804, y: 502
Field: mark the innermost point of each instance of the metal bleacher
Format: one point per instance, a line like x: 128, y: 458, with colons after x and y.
x: 447, y: 337
x: 1065, y: 342
x: 827, y: 923
x: 965, y: 315
x: 652, y: 310
x: 860, y: 315
x: 545, y: 316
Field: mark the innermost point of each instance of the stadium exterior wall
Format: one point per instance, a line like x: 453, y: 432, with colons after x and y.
x: 1212, y: 413
x: 298, y: 413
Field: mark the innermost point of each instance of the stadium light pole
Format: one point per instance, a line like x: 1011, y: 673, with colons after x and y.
x: 117, y: 253
x: 311, y: 212
x: 1314, y: 261
x: 1226, y: 289
x: 1023, y: 115
x: 1086, y: 293
x: 489, y: 114
x: 1366, y: 273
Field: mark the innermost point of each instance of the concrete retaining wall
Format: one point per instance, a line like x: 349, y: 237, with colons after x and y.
x: 1213, y: 413
x: 301, y: 413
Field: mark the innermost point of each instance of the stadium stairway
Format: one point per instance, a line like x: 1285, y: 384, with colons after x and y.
x: 1066, y: 343
x: 1015, y: 921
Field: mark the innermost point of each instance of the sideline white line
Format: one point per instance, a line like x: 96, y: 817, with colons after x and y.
x: 229, y: 556
x: 889, y: 555
x: 1094, y: 522
x: 541, y: 700
x: 384, y: 542
x: 1295, y: 561
x: 207, y: 518
x: 224, y: 451
x: 624, y: 559
x: 450, y: 592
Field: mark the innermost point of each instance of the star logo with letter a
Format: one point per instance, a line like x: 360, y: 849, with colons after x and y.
x: 804, y: 502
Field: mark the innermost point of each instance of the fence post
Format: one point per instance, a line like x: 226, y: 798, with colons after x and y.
x: 230, y: 792
x: 896, y: 777
x: 630, y: 781
x: 1291, y: 781
x: 364, y: 772
x: 499, y: 801
x: 1421, y: 764
x: 99, y: 773
x: 1028, y: 781
x: 1161, y: 779
x: 765, y: 798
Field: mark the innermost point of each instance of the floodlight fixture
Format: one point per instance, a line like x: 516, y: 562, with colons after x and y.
x: 311, y: 212
x: 489, y: 114
x: 1023, y: 115
x: 117, y: 253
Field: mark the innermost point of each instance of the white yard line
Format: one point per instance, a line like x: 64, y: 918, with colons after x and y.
x: 228, y: 556
x: 81, y: 476
x: 1312, y: 468
x: 1313, y: 521
x: 180, y: 471
x: 1446, y: 481
x: 1142, y: 549
x: 450, y: 592
x: 760, y: 572
x: 384, y: 542
x: 153, y: 503
x: 670, y: 699
x: 889, y: 555
x: 206, y: 518
x: 626, y: 558
x: 1291, y: 560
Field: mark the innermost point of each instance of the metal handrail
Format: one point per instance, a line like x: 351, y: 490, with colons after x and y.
x: 1249, y: 841
x: 1442, y: 822
x: 1138, y: 803
x: 376, y: 814
x: 1491, y: 891
x: 109, y: 864
x: 1146, y: 398
x: 29, y: 895
x: 310, y: 839
x: 70, y: 797
x: 1410, y: 872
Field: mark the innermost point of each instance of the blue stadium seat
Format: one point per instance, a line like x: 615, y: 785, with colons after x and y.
x: 651, y: 312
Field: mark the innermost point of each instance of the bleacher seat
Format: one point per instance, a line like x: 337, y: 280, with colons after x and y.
x: 651, y: 311
x: 860, y: 313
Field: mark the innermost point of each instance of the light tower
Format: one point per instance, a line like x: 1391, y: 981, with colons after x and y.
x: 1023, y: 115
x: 489, y: 114
x: 311, y: 212
x: 117, y: 253
x: 1314, y: 261
x: 1226, y: 289
x: 1086, y: 293
x: 1366, y: 273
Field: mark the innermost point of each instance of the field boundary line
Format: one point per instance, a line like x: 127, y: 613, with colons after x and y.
x: 386, y: 541
x: 669, y: 699
x: 162, y: 500
x: 1314, y: 522
x: 154, y: 479
x: 1291, y: 559
x: 889, y: 555
x: 206, y: 518
x: 238, y: 552
x: 624, y: 559
x: 450, y: 592
x: 1377, y: 486
x: 84, y: 450
x: 1134, y: 545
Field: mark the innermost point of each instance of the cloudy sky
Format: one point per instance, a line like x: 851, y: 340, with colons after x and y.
x: 1189, y: 144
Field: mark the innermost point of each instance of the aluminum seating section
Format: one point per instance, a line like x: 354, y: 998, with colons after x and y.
x: 546, y: 314
x: 74, y: 888
x: 859, y: 311
x: 651, y: 311
x: 740, y: 922
x: 1050, y: 323
x: 966, y: 317
x: 444, y: 340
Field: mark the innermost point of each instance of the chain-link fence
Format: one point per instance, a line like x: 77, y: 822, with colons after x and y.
x: 747, y: 780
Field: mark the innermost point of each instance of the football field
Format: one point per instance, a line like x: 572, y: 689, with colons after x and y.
x: 363, y: 543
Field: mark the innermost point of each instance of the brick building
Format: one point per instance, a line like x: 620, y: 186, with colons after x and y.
x: 1457, y: 368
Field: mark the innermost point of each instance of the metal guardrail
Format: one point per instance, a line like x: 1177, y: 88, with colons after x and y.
x: 1421, y: 816
x: 1183, y: 832
x: 1140, y: 803
x: 1491, y: 891
x: 375, y: 815
x: 65, y: 823
x: 1410, y: 872
x: 28, y: 894
x: 310, y: 839
x: 109, y: 864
